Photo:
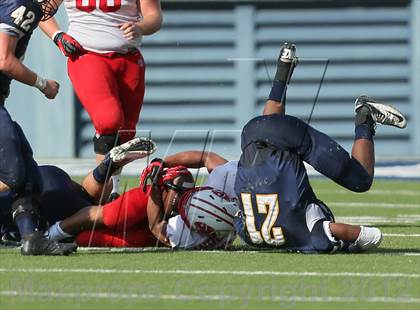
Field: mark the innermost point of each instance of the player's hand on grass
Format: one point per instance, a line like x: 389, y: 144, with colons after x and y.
x: 51, y: 89
x: 67, y: 44
x: 131, y: 30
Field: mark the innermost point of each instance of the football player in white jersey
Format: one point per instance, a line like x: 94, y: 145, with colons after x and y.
x: 169, y: 212
x: 105, y: 65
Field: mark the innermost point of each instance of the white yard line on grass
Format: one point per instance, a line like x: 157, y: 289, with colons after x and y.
x: 213, y: 272
x: 366, y: 204
x: 377, y: 220
x: 372, y: 192
x: 122, y: 296
x: 402, y: 235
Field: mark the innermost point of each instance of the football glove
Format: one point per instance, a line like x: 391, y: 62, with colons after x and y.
x: 67, y: 44
x: 152, y: 173
x: 171, y: 174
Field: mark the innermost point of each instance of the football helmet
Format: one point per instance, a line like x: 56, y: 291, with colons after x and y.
x: 209, y: 211
x: 49, y: 8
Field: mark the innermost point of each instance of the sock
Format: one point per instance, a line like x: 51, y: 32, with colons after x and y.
x: 103, y: 171
x: 56, y: 233
x: 27, y: 223
x: 369, y: 238
x: 365, y: 126
x: 278, y: 89
x: 282, y: 73
x: 278, y: 92
x: 116, y: 183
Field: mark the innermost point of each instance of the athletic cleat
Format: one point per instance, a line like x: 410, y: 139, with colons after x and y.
x: 134, y: 149
x: 36, y: 244
x: 286, y: 63
x: 10, y: 239
x: 381, y: 113
x: 288, y: 54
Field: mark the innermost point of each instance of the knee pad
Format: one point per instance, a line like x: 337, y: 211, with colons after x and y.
x: 104, y: 143
x: 24, y: 205
x: 322, y: 239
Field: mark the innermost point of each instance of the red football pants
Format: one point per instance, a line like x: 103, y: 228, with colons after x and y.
x: 126, y: 223
x: 111, y: 89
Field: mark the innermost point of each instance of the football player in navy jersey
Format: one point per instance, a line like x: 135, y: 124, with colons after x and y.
x: 18, y: 170
x: 278, y: 206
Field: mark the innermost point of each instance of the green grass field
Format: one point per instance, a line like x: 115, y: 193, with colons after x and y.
x: 389, y: 278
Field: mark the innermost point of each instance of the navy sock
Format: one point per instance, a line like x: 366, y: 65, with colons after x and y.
x: 278, y: 91
x: 365, y: 126
x: 364, y: 131
x: 27, y: 223
x: 104, y: 170
x: 282, y: 73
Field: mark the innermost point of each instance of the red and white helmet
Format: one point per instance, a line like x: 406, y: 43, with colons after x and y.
x: 207, y: 210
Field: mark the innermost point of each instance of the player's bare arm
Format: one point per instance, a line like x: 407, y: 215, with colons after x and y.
x: 50, y: 26
x: 15, y: 69
x: 162, y: 202
x: 150, y: 23
x: 66, y: 43
x: 195, y: 159
x: 157, y: 217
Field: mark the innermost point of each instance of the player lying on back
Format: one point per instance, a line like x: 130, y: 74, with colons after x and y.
x: 278, y: 206
x: 169, y: 212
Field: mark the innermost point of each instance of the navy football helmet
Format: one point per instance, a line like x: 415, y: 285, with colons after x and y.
x: 49, y: 8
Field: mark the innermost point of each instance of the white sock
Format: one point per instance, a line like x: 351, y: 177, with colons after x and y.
x: 116, y: 183
x: 56, y: 233
x: 369, y: 238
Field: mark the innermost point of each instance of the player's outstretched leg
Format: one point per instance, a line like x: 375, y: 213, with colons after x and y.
x: 286, y: 64
x: 368, y: 114
x: 118, y: 157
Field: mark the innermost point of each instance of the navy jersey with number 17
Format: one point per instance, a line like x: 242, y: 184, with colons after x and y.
x: 18, y: 18
x: 272, y: 185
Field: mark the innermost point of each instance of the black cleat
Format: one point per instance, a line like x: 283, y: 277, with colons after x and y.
x: 381, y: 113
x: 37, y: 244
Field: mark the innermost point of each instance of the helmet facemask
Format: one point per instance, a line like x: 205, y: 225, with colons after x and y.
x: 49, y: 8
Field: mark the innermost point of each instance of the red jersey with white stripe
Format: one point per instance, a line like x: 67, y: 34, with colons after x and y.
x: 95, y: 24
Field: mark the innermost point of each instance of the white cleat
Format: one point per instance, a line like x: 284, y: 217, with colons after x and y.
x: 137, y: 148
x: 381, y: 113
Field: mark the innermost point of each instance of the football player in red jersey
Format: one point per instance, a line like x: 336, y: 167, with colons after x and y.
x: 105, y: 64
x: 148, y: 214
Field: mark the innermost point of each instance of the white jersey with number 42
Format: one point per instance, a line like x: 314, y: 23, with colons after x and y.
x: 95, y: 24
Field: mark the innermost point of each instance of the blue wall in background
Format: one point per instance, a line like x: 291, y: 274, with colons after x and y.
x: 210, y: 68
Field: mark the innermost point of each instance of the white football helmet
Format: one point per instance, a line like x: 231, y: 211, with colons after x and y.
x: 207, y: 210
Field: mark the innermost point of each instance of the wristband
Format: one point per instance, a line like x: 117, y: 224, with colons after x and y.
x: 40, y: 83
x: 55, y: 35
